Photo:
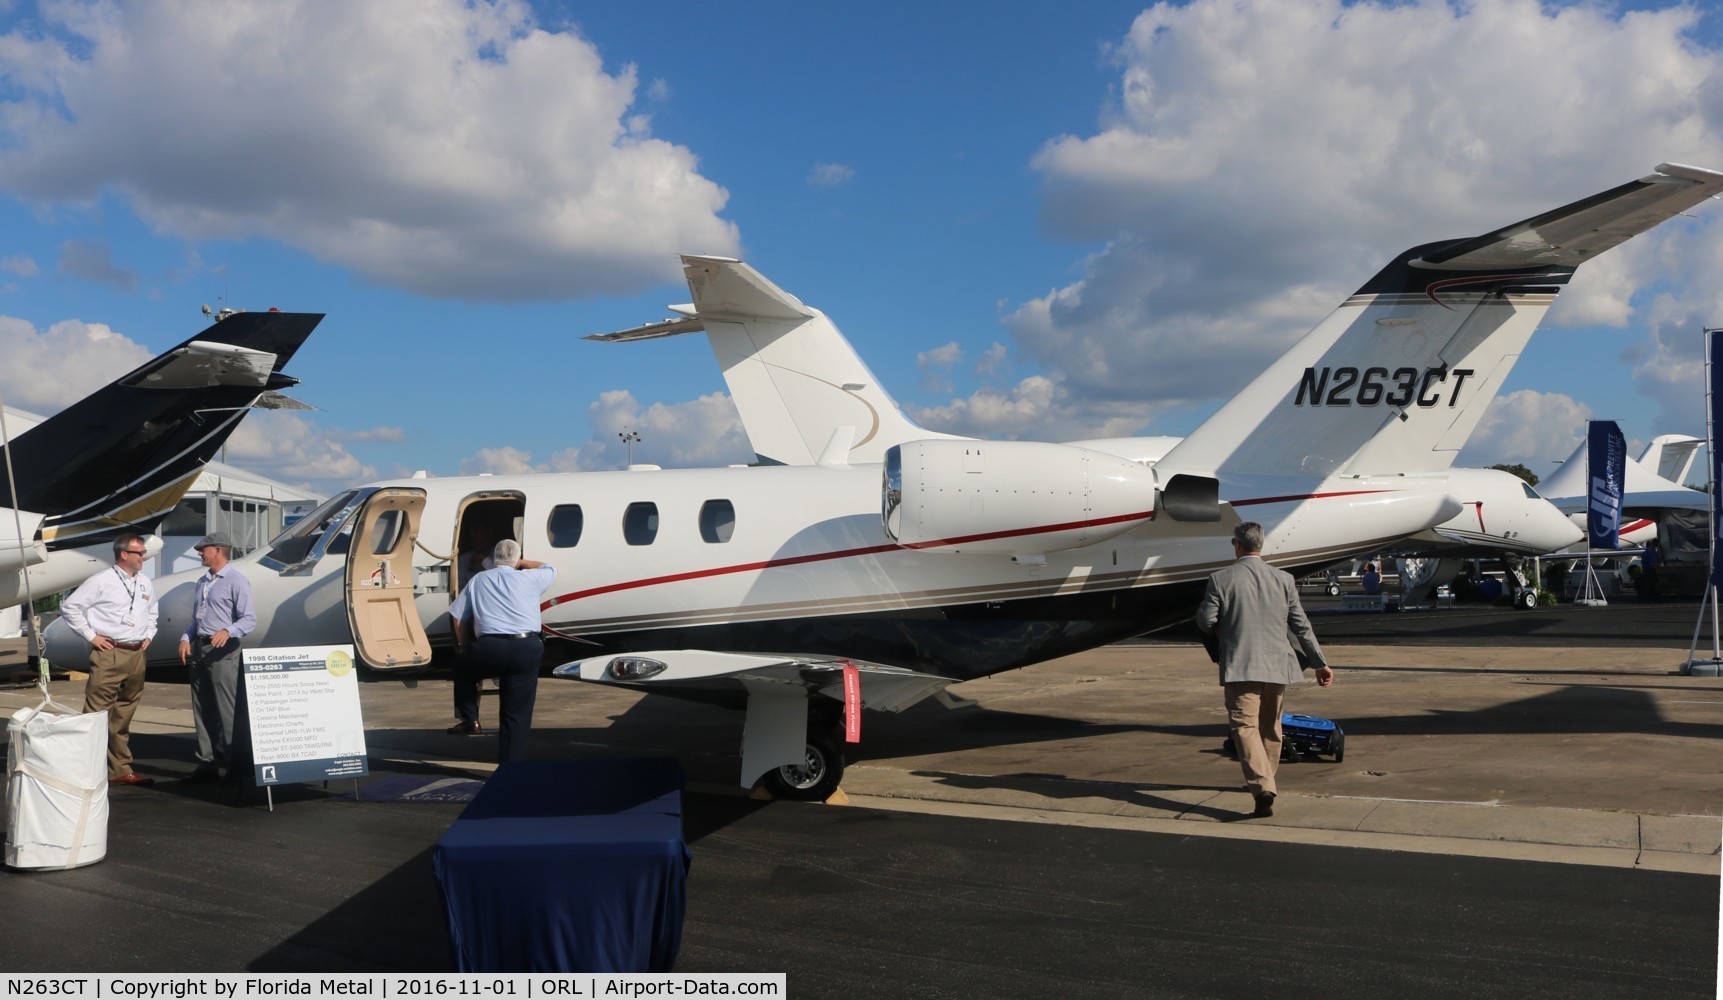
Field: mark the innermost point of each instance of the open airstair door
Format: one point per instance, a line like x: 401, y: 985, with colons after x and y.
x: 387, y: 633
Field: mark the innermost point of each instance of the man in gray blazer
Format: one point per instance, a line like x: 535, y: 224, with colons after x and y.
x: 1254, y: 610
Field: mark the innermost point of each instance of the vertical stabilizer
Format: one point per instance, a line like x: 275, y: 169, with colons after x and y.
x: 792, y: 375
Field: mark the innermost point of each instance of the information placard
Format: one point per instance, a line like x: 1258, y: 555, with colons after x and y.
x: 305, y: 719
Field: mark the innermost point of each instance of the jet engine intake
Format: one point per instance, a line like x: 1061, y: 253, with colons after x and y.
x: 1010, y: 497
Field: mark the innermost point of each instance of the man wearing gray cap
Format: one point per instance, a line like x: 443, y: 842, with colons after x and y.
x: 221, y: 616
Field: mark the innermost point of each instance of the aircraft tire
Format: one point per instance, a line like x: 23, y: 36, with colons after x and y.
x: 817, y: 777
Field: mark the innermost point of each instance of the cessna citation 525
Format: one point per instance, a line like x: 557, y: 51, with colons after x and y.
x: 806, y: 592
x: 120, y: 458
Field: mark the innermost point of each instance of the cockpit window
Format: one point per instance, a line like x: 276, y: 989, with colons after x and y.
x: 1531, y: 494
x: 301, y: 539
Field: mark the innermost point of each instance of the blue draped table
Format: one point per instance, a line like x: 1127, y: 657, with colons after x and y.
x: 568, y: 866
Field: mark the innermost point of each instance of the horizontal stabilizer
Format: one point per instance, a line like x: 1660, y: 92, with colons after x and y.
x: 1574, y: 234
x: 121, y: 457
x: 650, y: 331
x: 1396, y: 378
x: 723, y: 290
x: 202, y: 363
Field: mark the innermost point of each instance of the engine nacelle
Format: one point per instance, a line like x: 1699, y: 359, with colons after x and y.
x: 33, y: 552
x: 1018, y: 498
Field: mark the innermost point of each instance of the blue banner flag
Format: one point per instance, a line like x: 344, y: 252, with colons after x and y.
x: 1606, y: 465
x: 1714, y: 347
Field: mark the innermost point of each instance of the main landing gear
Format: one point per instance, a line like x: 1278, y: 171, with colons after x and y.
x: 818, y: 775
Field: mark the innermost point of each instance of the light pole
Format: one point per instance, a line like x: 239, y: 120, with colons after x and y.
x: 628, y: 438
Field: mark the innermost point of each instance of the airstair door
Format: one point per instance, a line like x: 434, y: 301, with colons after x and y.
x: 387, y: 633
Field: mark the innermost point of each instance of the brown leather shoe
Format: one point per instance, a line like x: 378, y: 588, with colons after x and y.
x: 131, y: 778
x: 465, y: 729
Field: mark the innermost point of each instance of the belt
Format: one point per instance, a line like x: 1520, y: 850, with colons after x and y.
x: 510, y: 635
x: 130, y: 647
x: 208, y: 640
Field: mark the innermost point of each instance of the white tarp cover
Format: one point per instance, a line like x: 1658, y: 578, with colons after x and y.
x: 56, y: 788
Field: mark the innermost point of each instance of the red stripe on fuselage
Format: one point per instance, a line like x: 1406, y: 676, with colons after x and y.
x: 701, y: 574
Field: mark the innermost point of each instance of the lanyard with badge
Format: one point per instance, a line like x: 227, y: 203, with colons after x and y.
x: 132, y: 586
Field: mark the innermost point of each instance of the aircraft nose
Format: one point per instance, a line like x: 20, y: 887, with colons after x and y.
x: 64, y: 647
x: 1552, y: 530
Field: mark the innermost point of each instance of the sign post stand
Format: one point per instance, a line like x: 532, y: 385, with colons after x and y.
x: 305, y: 719
x: 1695, y: 666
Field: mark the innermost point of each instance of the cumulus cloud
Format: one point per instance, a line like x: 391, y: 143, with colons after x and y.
x: 48, y: 370
x: 451, y: 148
x: 1261, y: 160
x: 936, y: 364
x: 1534, y: 429
x: 830, y: 175
x: 698, y: 433
x: 992, y: 361
x: 286, y: 446
x: 93, y: 261
x: 1037, y: 408
x: 23, y: 265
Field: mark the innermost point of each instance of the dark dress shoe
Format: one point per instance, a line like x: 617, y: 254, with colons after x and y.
x: 201, y: 776
x: 131, y: 778
x: 465, y: 729
x: 1264, y: 805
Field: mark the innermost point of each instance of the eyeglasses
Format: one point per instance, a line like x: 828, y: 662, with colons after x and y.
x: 136, y: 552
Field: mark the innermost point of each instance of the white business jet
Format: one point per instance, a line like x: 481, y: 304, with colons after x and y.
x: 800, y: 387
x: 1651, y: 486
x: 781, y: 588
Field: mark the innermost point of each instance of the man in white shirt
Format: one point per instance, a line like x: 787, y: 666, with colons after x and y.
x: 115, y: 611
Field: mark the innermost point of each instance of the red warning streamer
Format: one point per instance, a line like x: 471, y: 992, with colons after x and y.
x: 852, y: 703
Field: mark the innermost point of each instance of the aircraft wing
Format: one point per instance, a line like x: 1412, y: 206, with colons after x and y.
x: 712, y: 675
x: 775, y: 688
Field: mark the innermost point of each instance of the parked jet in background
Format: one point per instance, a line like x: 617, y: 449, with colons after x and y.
x: 1651, y: 485
x: 120, y: 458
x: 800, y: 590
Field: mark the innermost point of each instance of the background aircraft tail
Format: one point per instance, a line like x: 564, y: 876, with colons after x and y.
x: 122, y: 457
x: 1398, y: 376
x: 795, y: 379
x: 1671, y: 456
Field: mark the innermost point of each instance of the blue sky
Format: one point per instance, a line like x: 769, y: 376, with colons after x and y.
x: 1033, y: 220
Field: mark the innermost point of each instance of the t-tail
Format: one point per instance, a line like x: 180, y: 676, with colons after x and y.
x: 1396, y: 379
x: 804, y: 394
x: 120, y: 458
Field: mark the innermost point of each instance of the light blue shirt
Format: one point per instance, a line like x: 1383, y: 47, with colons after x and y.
x: 503, y: 601
x: 223, y: 602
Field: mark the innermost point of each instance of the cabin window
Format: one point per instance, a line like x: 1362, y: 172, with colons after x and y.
x: 386, y: 532
x: 717, y: 520
x: 565, y: 524
x: 640, y: 523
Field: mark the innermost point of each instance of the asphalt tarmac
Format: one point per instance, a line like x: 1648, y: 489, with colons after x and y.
x: 1526, y: 814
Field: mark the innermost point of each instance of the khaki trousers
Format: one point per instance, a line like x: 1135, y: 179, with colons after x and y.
x: 1253, y: 709
x: 116, y: 685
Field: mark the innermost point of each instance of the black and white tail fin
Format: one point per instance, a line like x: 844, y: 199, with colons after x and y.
x: 120, y: 458
x: 1398, y: 376
x: 800, y: 387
